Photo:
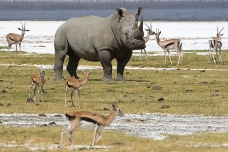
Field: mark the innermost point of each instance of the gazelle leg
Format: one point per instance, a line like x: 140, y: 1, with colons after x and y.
x: 220, y: 55
x: 78, y: 98
x: 35, y: 93
x: 20, y: 49
x: 213, y: 56
x: 141, y: 56
x: 61, y: 137
x: 71, y: 98
x: 30, y: 90
x: 94, y: 136
x: 9, y: 46
x: 69, y: 137
x: 165, y: 56
x: 41, y: 91
x: 209, y: 55
x: 99, y: 135
x: 16, y: 50
x: 169, y: 57
x: 145, y: 54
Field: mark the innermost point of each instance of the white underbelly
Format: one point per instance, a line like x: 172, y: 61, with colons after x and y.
x: 85, y: 125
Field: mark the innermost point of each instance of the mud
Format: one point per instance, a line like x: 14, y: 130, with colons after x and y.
x: 155, y: 126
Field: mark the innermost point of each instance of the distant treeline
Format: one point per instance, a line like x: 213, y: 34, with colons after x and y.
x: 110, y: 4
x: 113, y: 0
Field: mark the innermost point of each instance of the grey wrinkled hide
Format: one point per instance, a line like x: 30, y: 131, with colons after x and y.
x: 98, y: 39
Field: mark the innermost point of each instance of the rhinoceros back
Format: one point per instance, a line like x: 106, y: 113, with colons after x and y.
x: 85, y: 36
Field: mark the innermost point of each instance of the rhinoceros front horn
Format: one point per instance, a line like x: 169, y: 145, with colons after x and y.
x: 141, y: 25
x: 139, y: 34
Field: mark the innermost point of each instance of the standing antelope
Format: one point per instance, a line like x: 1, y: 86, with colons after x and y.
x: 76, y: 85
x: 38, y: 81
x: 89, y: 121
x: 13, y: 38
x: 170, y: 44
x: 149, y: 33
x: 215, y: 44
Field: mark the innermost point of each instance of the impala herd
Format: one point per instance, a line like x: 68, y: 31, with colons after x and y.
x: 83, y: 120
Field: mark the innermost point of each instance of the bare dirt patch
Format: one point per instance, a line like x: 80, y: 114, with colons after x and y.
x: 149, y: 125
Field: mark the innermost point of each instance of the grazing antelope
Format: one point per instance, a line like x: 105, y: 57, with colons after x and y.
x: 76, y: 85
x: 170, y: 44
x: 38, y: 81
x: 149, y: 33
x: 215, y: 44
x: 13, y: 38
x: 89, y: 121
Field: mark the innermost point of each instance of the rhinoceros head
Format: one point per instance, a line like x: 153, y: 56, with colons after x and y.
x: 126, y: 29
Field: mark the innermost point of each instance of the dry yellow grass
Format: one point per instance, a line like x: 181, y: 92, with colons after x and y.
x: 185, y: 90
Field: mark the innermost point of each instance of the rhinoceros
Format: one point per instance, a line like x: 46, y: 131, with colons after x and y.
x: 99, y: 39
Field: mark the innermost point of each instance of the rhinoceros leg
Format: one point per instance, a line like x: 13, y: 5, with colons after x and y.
x: 58, y: 67
x: 121, y: 63
x: 106, y: 59
x: 72, y: 64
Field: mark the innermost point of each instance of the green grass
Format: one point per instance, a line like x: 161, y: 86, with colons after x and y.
x: 185, y: 90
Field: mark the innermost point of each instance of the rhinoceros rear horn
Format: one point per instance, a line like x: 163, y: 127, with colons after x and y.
x: 138, y: 12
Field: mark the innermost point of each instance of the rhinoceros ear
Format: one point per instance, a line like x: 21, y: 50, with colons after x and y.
x: 138, y: 12
x: 120, y: 12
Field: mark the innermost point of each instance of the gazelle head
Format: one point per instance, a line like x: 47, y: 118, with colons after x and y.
x: 219, y: 35
x: 157, y: 33
x: 117, y: 110
x: 23, y: 28
x: 149, y: 29
x: 42, y: 72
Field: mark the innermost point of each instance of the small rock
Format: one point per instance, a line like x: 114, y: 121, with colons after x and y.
x: 164, y: 106
x: 52, y: 123
x: 30, y: 100
x: 106, y: 109
x: 4, y: 91
x: 214, y: 95
x: 109, y: 90
x: 37, y: 104
x: 42, y: 115
x: 189, y: 90
x: 57, y: 115
x: 157, y: 88
x: 9, y: 104
x: 161, y: 99
x: 204, y: 82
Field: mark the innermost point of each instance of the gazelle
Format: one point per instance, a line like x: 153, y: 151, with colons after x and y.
x: 149, y: 33
x: 76, y: 85
x: 89, y: 121
x: 38, y: 81
x: 215, y: 44
x: 170, y: 44
x: 13, y: 38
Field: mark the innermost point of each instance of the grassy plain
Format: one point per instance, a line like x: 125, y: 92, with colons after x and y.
x: 195, y: 87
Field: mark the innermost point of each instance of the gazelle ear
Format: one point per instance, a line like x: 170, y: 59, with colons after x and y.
x: 27, y: 30
x: 114, y: 106
x: 159, y: 32
x: 19, y: 29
